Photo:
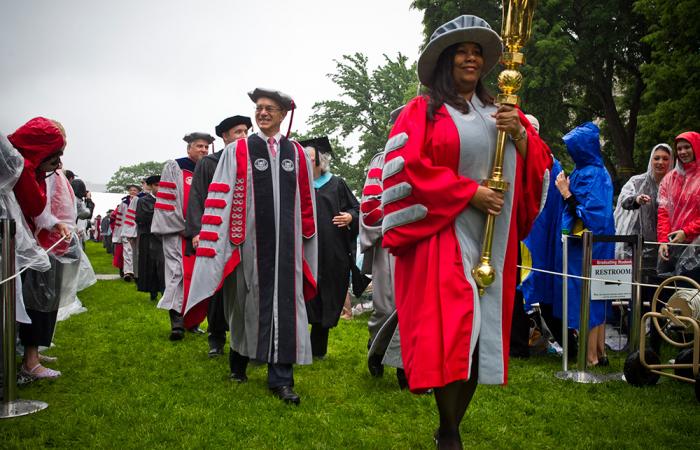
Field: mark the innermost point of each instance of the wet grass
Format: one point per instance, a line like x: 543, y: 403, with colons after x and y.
x: 124, y: 385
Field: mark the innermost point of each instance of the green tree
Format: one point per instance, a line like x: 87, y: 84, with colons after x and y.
x: 582, y: 64
x: 133, y: 175
x: 672, y: 75
x: 362, y: 110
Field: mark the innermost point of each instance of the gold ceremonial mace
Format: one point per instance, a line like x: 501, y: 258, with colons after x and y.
x: 515, y: 31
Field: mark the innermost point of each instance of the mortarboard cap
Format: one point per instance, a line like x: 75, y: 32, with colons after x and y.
x: 231, y: 122
x: 284, y: 100
x: 189, y: 138
x: 320, y: 144
x: 153, y: 179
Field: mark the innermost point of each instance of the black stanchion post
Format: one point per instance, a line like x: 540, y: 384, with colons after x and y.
x: 11, y: 406
x: 636, y: 304
x: 585, y: 306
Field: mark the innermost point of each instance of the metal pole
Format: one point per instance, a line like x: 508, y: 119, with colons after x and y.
x: 585, y: 300
x: 8, y: 313
x: 565, y: 303
x: 636, y: 304
x: 10, y: 406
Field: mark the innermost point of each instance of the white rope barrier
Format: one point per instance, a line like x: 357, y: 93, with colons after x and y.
x: 45, y: 251
x: 678, y: 244
x: 568, y: 275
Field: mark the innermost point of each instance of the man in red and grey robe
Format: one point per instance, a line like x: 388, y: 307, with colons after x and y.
x: 169, y: 215
x: 258, y: 242
x: 129, y: 232
x: 384, y: 342
x: 118, y: 253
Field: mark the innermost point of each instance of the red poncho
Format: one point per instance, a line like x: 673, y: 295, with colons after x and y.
x: 679, y: 195
x: 36, y: 141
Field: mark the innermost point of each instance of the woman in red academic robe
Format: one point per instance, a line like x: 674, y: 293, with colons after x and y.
x: 439, y: 152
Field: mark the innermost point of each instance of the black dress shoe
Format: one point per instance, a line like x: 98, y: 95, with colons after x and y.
x: 603, y: 361
x: 177, y: 335
x: 215, y: 351
x: 286, y: 394
x: 401, y: 378
x: 375, y: 366
x: 447, y: 439
x: 238, y: 377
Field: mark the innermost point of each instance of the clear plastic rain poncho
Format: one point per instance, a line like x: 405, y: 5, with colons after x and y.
x: 43, y: 291
x: 27, y: 252
x: 679, y: 209
x: 631, y: 218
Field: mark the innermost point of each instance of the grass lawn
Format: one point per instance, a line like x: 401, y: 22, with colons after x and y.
x: 101, y: 260
x: 124, y: 385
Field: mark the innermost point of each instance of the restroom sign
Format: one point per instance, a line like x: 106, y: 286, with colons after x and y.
x: 614, y: 271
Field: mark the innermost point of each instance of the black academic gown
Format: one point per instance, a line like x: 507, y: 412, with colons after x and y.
x: 150, y: 265
x: 336, y: 251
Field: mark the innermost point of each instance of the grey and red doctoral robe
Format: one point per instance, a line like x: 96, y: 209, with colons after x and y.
x: 128, y: 236
x: 259, y: 237
x: 169, y: 214
x: 383, y: 324
x: 432, y: 169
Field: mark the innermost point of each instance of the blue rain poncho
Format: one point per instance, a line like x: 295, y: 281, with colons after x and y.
x: 544, y: 245
x: 592, y: 188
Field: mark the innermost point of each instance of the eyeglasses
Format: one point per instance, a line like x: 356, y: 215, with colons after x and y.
x: 268, y: 109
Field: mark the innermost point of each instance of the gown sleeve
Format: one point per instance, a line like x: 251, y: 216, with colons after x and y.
x: 167, y: 216
x: 419, y: 198
x: 203, y: 174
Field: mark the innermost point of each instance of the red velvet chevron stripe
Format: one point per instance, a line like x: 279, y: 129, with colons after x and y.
x: 375, y: 173
x: 219, y: 187
x: 167, y: 184
x: 206, y: 252
x: 166, y: 195
x: 164, y: 206
x: 215, y: 203
x: 209, y: 219
x: 208, y: 235
x: 372, y: 189
x: 372, y: 218
x: 370, y: 205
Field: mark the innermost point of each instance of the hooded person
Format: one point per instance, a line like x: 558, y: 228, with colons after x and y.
x: 41, y: 143
x: 439, y: 152
x: 337, y: 212
x: 258, y: 242
x: 588, y: 195
x: 230, y: 130
x: 636, y: 211
x: 169, y: 213
x: 679, y: 210
x: 150, y: 247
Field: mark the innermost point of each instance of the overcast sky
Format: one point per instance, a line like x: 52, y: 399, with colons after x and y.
x: 128, y: 79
